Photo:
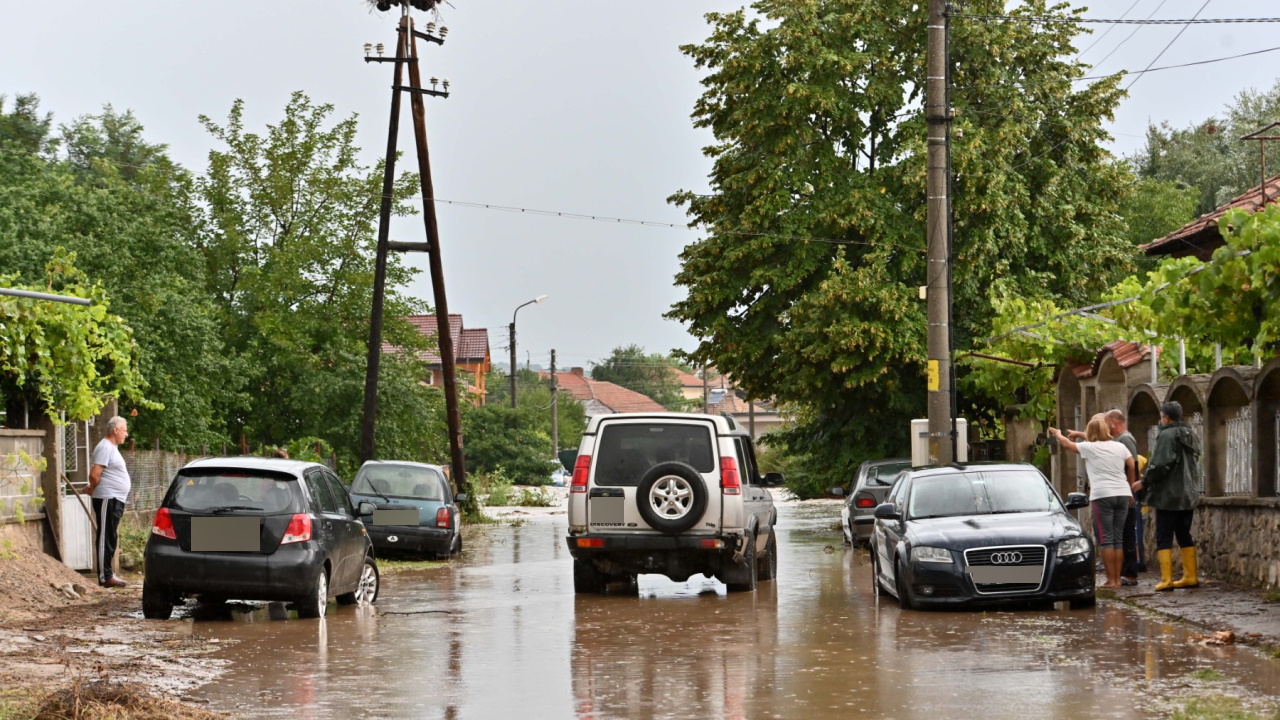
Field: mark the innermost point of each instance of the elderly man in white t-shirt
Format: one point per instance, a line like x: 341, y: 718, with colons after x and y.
x: 109, y: 484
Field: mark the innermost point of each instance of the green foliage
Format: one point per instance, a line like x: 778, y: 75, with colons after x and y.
x: 805, y: 475
x: 509, y: 442
x: 495, y: 485
x: 815, y: 109
x: 310, y: 449
x: 124, y: 209
x: 1208, y: 156
x: 652, y: 375
x: 535, y: 406
x: 133, y: 545
x: 289, y: 220
x: 534, y: 497
x: 68, y: 357
x: 1156, y: 208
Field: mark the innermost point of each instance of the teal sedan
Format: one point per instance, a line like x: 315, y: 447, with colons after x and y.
x: 414, y: 511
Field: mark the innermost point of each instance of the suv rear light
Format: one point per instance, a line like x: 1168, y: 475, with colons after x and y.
x: 163, y: 525
x: 730, y: 481
x: 442, y: 518
x: 581, y: 468
x: 864, y: 500
x: 299, y: 529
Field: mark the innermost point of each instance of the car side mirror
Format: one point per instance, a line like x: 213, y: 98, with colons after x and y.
x: 774, y: 478
x: 887, y: 511
x: 1075, y: 501
x: 365, y: 508
x: 460, y: 497
x: 837, y: 491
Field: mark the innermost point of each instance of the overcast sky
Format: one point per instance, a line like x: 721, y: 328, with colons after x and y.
x: 573, y: 105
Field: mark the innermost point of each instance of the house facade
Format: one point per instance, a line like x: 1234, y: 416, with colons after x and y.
x: 470, y: 349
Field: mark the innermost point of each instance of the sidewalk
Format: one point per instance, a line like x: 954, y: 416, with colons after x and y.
x: 1214, y: 606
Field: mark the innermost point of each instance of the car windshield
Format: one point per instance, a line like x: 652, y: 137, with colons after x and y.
x: 235, y: 490
x: 400, y: 481
x: 981, y: 494
x: 884, y: 475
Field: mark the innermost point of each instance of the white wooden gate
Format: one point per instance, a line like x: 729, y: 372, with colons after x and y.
x: 1239, y: 480
x: 77, y: 533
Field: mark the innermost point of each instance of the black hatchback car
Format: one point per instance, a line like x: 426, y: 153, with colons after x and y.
x: 980, y: 533
x: 258, y: 529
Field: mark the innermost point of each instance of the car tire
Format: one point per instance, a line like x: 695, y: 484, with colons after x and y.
x: 671, y: 497
x: 156, y: 604
x: 366, y: 592
x: 1083, y: 603
x: 317, y: 601
x: 767, y: 565
x: 900, y: 585
x: 587, y: 580
x: 748, y: 576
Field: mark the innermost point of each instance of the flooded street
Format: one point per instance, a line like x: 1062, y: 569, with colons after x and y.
x: 502, y: 632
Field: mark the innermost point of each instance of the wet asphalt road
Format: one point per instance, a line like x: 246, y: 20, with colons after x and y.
x: 501, y: 634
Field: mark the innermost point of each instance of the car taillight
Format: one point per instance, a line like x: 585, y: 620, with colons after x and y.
x: 163, y: 525
x: 581, y: 468
x: 864, y: 500
x: 730, y: 482
x: 299, y: 529
x: 442, y: 518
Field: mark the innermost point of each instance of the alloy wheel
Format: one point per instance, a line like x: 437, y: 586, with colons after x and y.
x: 671, y: 497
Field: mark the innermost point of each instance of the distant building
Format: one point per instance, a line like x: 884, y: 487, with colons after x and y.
x: 602, y: 398
x: 470, y: 352
x: 1201, y: 237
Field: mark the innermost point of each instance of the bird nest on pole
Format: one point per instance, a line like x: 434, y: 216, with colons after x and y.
x: 385, y: 5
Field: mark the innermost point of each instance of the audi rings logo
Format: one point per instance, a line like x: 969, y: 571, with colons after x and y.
x: 1006, y: 558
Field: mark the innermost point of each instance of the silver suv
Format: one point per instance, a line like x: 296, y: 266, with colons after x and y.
x: 670, y: 493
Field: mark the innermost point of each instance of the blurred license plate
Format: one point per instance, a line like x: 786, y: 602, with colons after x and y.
x: 226, y: 534
x: 997, y: 575
x: 407, y: 516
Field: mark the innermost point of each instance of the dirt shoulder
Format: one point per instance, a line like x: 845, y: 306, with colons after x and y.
x: 59, y: 632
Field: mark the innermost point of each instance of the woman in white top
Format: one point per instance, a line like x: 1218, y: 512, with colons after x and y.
x: 1108, y: 466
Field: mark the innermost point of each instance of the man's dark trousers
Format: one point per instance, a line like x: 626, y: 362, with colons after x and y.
x: 108, y: 512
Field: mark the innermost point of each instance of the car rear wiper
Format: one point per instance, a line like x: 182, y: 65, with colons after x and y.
x: 380, y: 493
x: 229, y: 508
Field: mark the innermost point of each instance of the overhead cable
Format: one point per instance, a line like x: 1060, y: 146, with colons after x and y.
x: 1055, y: 19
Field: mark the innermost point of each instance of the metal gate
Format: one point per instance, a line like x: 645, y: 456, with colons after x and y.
x: 1153, y: 433
x: 1239, y: 480
x: 1197, y: 426
x: 1277, y: 455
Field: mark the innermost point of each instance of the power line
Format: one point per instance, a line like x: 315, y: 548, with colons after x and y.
x: 660, y: 224
x: 1166, y: 47
x: 1130, y: 37
x: 1108, y: 30
x: 1055, y: 19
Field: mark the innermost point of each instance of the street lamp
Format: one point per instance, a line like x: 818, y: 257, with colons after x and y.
x: 538, y: 299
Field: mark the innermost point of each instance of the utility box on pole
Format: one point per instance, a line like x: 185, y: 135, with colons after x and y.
x: 920, y: 442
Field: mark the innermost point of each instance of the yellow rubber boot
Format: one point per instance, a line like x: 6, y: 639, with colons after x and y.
x: 1166, y: 569
x: 1189, y: 578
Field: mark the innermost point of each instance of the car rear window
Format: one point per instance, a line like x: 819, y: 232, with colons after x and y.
x: 402, y: 481
x: 627, y: 451
x: 884, y: 475
x: 235, y: 490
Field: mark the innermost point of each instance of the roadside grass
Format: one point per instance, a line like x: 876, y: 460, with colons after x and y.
x: 133, y: 545
x: 1271, y: 596
x: 16, y: 704
x: 391, y: 567
x: 533, y: 497
x: 1208, y: 674
x: 1218, y: 707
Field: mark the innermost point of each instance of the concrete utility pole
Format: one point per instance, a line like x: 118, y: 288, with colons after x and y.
x: 706, y: 392
x: 937, y: 221
x: 555, y: 410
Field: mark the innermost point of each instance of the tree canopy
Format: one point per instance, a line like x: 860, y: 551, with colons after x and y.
x: 805, y: 286
x: 650, y: 374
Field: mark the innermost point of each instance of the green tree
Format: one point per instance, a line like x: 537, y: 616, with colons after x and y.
x: 1156, y: 208
x: 502, y: 438
x: 1209, y: 155
x: 815, y: 107
x: 288, y: 222
x: 650, y: 374
x: 535, y: 406
x: 123, y: 208
x: 61, y: 357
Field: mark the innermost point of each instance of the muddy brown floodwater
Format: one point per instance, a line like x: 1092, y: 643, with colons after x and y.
x: 501, y: 634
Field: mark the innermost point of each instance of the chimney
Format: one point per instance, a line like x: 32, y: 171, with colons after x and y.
x: 577, y: 371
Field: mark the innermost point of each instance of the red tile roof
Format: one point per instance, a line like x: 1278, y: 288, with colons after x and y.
x: 1201, y: 237
x: 614, y: 397
x: 1127, y: 355
x: 469, y: 344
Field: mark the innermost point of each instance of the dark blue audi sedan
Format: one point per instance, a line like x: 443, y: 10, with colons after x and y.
x: 980, y: 533
x: 412, y: 510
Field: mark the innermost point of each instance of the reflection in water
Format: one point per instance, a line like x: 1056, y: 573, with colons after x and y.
x: 502, y: 634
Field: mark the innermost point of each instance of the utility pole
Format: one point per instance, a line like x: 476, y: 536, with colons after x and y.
x: 407, y: 54
x: 555, y: 409
x: 937, y: 216
x: 511, y: 338
x: 706, y: 401
x: 369, y: 418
